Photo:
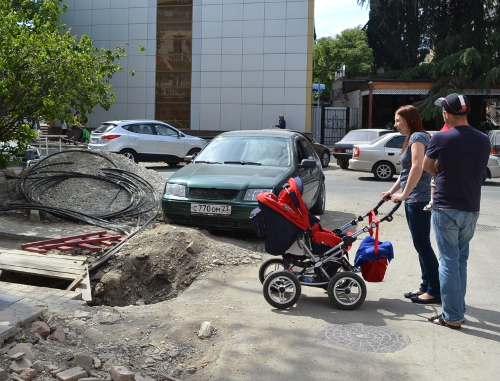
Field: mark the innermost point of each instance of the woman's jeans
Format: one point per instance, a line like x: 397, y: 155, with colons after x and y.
x: 419, y: 222
x: 453, y: 230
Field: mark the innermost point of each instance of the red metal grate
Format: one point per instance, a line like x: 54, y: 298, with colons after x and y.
x: 84, y: 241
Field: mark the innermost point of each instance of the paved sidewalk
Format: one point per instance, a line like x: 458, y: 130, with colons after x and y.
x: 315, y: 341
x: 387, y: 338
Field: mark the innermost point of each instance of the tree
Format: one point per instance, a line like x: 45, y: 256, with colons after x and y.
x: 45, y: 71
x: 396, y: 33
x: 465, y: 45
x: 349, y: 48
x: 461, y: 36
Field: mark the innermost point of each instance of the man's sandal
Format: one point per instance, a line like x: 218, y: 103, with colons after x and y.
x: 439, y: 320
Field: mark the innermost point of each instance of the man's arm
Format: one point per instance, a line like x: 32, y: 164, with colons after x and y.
x: 430, y: 165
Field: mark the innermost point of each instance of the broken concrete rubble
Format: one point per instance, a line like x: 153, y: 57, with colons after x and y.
x: 206, y: 330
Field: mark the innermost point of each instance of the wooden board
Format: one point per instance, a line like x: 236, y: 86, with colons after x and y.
x: 65, y: 267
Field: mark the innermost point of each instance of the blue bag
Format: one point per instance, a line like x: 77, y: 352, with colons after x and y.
x: 367, y: 251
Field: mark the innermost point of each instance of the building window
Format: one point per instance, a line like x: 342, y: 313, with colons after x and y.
x: 173, y: 62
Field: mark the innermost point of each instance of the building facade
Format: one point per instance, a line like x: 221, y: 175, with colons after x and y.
x: 209, y: 64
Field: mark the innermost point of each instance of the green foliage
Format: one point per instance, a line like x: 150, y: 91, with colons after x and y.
x: 349, y: 48
x: 462, y: 38
x: 45, y: 71
x: 396, y: 33
x: 24, y: 137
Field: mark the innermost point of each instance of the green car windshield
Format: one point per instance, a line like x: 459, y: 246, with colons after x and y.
x: 246, y: 150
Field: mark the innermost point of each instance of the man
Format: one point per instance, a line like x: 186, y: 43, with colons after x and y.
x: 281, y: 122
x: 457, y: 158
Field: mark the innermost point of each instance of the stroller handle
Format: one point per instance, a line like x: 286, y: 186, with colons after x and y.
x: 389, y: 217
x: 348, y: 240
x: 375, y: 210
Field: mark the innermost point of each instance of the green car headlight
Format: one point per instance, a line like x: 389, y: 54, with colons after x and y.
x: 176, y: 190
x: 251, y: 194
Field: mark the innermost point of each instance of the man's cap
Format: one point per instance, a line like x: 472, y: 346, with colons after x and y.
x: 281, y: 115
x: 456, y: 104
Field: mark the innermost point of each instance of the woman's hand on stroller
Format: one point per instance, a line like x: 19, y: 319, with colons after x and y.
x: 394, y: 197
x: 386, y: 196
x: 398, y: 197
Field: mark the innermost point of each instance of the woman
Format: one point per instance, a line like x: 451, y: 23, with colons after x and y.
x: 416, y: 192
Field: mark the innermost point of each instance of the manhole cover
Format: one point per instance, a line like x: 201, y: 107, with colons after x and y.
x: 486, y: 228
x: 363, y: 338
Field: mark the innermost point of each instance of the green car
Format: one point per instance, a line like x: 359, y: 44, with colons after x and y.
x: 218, y: 189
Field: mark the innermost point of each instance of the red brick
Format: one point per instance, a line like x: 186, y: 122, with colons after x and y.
x: 41, y: 328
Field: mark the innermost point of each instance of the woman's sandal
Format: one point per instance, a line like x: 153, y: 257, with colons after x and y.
x: 439, y: 320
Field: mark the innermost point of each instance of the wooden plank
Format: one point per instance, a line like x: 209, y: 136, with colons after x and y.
x: 76, y: 282
x: 43, y: 266
x: 34, y: 269
x: 84, y: 287
x: 41, y: 260
x: 27, y: 254
x: 49, y: 274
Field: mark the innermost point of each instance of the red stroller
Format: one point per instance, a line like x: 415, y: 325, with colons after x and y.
x: 309, y: 254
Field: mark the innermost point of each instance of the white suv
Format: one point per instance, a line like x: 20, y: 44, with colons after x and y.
x: 145, y: 140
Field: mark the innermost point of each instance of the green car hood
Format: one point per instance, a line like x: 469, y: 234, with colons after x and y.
x: 231, y: 176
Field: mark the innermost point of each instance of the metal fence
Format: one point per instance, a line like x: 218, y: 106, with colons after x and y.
x: 330, y: 124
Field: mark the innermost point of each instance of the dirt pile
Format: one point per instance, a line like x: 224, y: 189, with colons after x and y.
x: 158, y: 263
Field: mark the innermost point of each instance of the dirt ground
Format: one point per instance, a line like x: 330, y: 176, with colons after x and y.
x: 159, y: 263
x: 128, y: 321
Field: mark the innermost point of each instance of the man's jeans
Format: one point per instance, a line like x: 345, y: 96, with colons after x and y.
x: 419, y: 223
x: 453, y: 230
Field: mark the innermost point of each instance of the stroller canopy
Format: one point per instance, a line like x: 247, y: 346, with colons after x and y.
x: 289, y: 203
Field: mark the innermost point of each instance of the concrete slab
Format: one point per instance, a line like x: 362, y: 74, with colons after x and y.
x: 7, y: 300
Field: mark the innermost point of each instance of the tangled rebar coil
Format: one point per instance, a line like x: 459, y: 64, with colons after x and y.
x: 95, y: 190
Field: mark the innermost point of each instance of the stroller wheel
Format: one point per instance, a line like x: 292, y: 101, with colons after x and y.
x: 347, y: 290
x: 269, y: 266
x: 281, y: 289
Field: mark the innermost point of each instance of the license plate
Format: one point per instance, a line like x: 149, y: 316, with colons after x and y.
x: 93, y: 140
x: 210, y: 209
x: 348, y: 151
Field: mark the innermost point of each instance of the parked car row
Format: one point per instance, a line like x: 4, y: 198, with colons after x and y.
x: 381, y: 157
x: 342, y: 150
x: 218, y: 188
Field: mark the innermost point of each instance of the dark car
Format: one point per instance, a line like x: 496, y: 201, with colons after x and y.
x: 218, y: 189
x: 342, y: 150
x: 322, y: 151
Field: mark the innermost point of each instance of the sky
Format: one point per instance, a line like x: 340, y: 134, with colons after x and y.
x: 333, y: 16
